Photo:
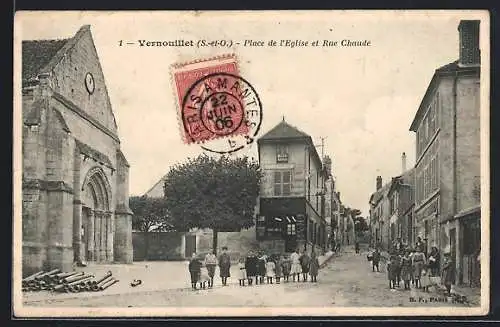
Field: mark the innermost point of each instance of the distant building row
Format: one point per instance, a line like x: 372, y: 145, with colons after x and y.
x: 299, y: 206
x: 439, y: 199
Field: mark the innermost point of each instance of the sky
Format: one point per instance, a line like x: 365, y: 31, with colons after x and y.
x: 361, y: 99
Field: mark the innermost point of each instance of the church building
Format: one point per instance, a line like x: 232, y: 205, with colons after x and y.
x: 74, y: 176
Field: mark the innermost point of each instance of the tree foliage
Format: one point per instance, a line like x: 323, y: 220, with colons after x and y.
x: 360, y: 224
x: 150, y: 214
x: 217, y: 193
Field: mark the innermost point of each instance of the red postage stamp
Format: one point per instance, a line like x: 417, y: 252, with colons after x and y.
x: 211, y: 99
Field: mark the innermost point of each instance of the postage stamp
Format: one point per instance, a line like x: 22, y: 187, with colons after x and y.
x: 215, y: 102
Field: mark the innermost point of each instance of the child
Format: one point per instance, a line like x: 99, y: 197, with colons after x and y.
x: 251, y: 267
x: 194, y: 270
x: 279, y: 271
x: 211, y: 263
x: 286, y: 266
x: 425, y: 280
x: 261, y: 269
x: 392, y: 268
x: 314, y: 267
x: 204, y: 277
x: 295, y: 268
x: 270, y: 267
x: 242, y: 271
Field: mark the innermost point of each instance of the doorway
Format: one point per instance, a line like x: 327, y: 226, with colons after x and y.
x: 190, y: 245
x: 290, y: 236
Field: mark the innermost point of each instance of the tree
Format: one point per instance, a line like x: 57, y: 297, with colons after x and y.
x: 150, y: 214
x: 360, y: 225
x: 220, y: 194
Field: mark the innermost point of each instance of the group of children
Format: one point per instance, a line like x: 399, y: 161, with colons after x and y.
x: 411, y: 267
x: 275, y: 267
x: 259, y: 266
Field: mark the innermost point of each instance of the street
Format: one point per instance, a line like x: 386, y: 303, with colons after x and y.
x: 346, y: 281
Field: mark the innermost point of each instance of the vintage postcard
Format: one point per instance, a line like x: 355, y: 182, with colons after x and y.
x: 247, y: 163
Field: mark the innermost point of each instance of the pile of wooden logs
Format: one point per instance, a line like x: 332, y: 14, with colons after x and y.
x: 74, y: 281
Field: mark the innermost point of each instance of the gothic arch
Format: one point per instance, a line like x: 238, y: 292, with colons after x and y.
x: 96, y: 190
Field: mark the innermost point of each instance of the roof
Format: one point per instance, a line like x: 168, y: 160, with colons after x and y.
x: 404, y: 179
x: 284, y: 131
x: 446, y: 70
x: 378, y: 195
x: 40, y: 56
x: 37, y: 54
x: 160, y: 182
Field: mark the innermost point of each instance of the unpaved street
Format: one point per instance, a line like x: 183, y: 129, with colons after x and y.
x: 347, y: 281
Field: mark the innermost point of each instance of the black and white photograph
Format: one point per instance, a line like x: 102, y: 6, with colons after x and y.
x: 251, y: 163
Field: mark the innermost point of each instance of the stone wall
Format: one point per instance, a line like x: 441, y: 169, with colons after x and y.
x: 468, y: 144
x: 157, y: 246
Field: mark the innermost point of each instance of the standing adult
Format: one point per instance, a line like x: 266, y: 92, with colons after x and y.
x: 295, y: 269
x: 224, y: 265
x: 375, y: 260
x: 406, y: 269
x: 314, y: 267
x: 434, y: 261
x: 211, y: 263
x: 251, y: 267
x: 448, y: 273
x: 419, y: 245
x: 305, y: 262
x: 356, y: 247
x: 399, y: 246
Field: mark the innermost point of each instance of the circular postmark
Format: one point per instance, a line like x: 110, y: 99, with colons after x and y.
x: 223, y: 111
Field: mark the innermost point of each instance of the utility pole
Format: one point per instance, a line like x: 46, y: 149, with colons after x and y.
x: 322, y: 145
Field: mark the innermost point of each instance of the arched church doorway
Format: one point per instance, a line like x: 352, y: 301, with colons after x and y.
x: 96, y: 217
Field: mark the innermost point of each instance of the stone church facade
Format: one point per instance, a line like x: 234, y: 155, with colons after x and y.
x: 75, y: 177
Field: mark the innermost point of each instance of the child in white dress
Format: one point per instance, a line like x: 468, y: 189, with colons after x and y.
x: 425, y: 279
x: 270, y: 271
x: 204, y: 277
x: 242, y: 274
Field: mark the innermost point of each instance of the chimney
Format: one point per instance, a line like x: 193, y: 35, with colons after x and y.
x: 379, y: 182
x: 469, y: 43
x: 403, y: 162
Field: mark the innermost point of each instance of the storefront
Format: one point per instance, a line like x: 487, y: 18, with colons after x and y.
x: 470, y: 256
x: 285, y: 224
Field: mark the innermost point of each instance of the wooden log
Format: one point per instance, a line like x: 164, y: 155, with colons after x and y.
x: 112, y: 282
x: 107, y: 279
x: 72, y: 278
x: 108, y: 274
x: 66, y: 274
x: 61, y: 288
x: 52, y: 272
x: 80, y: 281
x: 32, y: 277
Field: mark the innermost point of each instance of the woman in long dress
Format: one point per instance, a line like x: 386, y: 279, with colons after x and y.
x: 406, y: 270
x: 314, y: 267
